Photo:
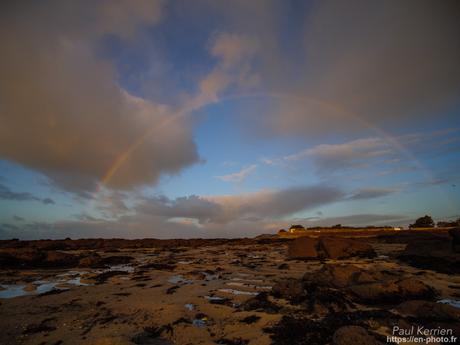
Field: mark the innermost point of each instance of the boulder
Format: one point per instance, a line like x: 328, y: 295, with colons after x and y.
x: 392, y: 291
x: 436, y: 254
x: 60, y: 259
x: 91, y: 260
x: 303, y: 248
x: 353, y: 335
x: 342, y: 248
x: 260, y: 302
x: 429, y: 310
x: 340, y: 276
x: 290, y: 289
x: 32, y: 257
x: 455, y: 234
x: 20, y: 257
x: 117, y: 260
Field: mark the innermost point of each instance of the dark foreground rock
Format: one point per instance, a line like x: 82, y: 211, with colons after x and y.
x: 434, y: 254
x: 353, y: 335
x: 35, y: 258
x: 302, y: 330
x: 369, y: 286
x: 330, y: 248
x: 392, y: 291
x: 427, y: 310
x: 303, y: 248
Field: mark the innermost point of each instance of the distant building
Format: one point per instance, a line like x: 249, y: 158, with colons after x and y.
x: 281, y: 232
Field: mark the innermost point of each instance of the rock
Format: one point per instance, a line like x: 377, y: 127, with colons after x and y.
x: 433, y: 253
x: 353, y: 335
x: 31, y: 257
x: 60, y: 259
x: 290, y: 289
x: 195, y: 275
x: 91, y: 260
x: 392, y: 291
x: 102, y: 277
x: 429, y: 310
x: 342, y: 248
x: 260, y: 302
x: 339, y: 276
x: 159, y: 266
x: 17, y: 257
x: 333, y: 275
x: 303, y: 248
x: 328, y: 247
x: 116, y: 260
x: 455, y: 234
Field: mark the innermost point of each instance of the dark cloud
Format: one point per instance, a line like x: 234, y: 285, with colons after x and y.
x: 8, y: 194
x: 63, y: 112
x: 370, y: 193
x: 225, y: 209
x: 372, y: 63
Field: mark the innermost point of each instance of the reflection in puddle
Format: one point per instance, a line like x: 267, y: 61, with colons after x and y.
x: 252, y: 286
x: 189, y: 306
x: 43, y: 286
x: 451, y: 302
x: 178, y: 279
x: 238, y: 292
x: 215, y: 298
x: 10, y: 291
x: 200, y: 323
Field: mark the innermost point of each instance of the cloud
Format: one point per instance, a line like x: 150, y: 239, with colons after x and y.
x: 234, y: 54
x: 224, y: 209
x: 355, y: 153
x: 195, y: 216
x: 238, y: 176
x: 326, y: 74
x: 63, y: 112
x: 372, y: 192
x: 8, y: 194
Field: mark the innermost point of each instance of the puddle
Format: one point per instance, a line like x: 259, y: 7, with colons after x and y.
x: 11, y: 291
x: 42, y: 286
x: 238, y: 292
x: 247, y: 280
x: 251, y: 286
x: 452, y: 302
x: 178, y: 279
x: 215, y: 298
x: 124, y: 268
x: 189, y: 306
x: 200, y: 323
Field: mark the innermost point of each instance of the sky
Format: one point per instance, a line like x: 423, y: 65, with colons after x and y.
x: 186, y: 119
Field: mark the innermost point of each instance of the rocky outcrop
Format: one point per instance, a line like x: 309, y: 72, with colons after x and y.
x: 32, y: 257
x: 340, y: 276
x: 369, y: 286
x: 392, y: 291
x: 434, y: 254
x: 353, y: 335
x: 290, y: 289
x: 455, y: 234
x: 427, y: 310
x: 342, y: 248
x: 328, y: 247
x: 303, y: 248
